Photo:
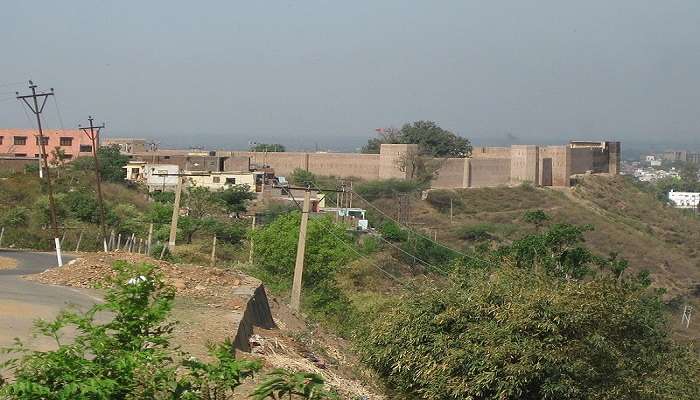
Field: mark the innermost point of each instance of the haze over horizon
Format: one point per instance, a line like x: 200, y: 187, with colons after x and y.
x: 223, y: 74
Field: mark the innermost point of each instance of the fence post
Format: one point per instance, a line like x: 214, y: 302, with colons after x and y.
x: 111, y: 240
x: 162, y: 252
x: 213, y: 252
x: 2, y: 233
x: 140, y: 245
x: 150, y: 238
x: 119, y: 241
x: 131, y: 243
x: 80, y: 239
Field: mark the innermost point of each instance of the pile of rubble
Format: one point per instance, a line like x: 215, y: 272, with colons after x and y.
x: 213, y: 285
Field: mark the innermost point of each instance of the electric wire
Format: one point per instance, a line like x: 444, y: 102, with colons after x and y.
x: 417, y: 233
x: 58, y: 112
x: 350, y: 247
x: 425, y: 263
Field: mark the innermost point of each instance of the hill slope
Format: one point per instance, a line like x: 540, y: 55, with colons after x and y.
x: 627, y: 220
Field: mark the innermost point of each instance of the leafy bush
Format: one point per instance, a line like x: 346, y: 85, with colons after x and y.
x: 440, y: 199
x: 111, y: 163
x: 82, y: 205
x: 231, y: 232
x: 15, y: 217
x: 276, y: 247
x: 390, y: 230
x: 373, y: 190
x: 284, y: 384
x: 476, y: 233
x: 522, y: 334
x: 127, y: 357
x: 427, y: 251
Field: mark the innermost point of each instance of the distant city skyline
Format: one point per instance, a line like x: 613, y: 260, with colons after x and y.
x: 223, y: 73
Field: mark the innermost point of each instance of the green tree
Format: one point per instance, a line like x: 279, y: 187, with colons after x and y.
x: 236, y: 198
x: 302, y: 177
x: 202, y: 208
x: 435, y: 141
x: 536, y: 217
x: 276, y: 247
x: 432, y: 140
x: 111, y: 163
x: 268, y: 147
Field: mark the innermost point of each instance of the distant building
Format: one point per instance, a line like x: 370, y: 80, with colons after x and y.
x: 682, y: 156
x: 684, y: 199
x: 24, y: 143
x: 127, y: 145
x: 163, y: 177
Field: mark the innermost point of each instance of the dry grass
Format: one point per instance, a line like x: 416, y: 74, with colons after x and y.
x: 7, y: 263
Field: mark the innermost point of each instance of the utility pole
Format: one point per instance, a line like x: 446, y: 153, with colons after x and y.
x: 301, y: 248
x: 37, y: 110
x: 93, y: 132
x: 176, y: 214
x: 250, y: 256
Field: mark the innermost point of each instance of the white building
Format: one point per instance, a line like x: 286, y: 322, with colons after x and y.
x: 684, y: 199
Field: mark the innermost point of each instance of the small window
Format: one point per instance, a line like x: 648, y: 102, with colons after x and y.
x: 167, y: 157
x: 1, y: 138
x: 45, y: 139
x: 85, y: 148
x: 66, y: 141
x: 216, y: 179
x: 67, y: 156
x: 230, y: 181
x: 37, y: 156
x: 20, y: 155
x: 20, y: 141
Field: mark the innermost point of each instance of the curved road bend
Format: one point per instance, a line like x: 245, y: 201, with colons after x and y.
x: 22, y: 301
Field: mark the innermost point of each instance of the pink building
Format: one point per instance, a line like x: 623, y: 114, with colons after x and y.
x: 25, y: 143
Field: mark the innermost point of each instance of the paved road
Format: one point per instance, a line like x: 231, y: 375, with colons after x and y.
x: 21, y: 301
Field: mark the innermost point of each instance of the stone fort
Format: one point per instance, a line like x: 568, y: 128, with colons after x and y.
x: 487, y: 166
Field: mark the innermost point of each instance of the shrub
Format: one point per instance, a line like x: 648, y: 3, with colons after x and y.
x: 392, y: 231
x: 440, y: 199
x: 127, y: 357
x: 373, y: 190
x: 276, y: 247
x: 16, y: 217
x: 426, y: 250
x: 514, y: 334
x: 82, y: 205
x: 476, y: 233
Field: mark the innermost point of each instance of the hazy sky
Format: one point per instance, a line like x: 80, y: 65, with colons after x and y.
x: 329, y: 72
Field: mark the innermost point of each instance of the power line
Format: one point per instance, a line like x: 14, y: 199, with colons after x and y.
x: 417, y: 233
x: 385, y: 272
x: 58, y: 112
x: 425, y: 263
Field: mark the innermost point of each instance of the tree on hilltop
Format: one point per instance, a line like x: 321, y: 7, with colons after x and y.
x: 432, y: 140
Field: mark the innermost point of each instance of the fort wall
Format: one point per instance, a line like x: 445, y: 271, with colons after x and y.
x: 488, y: 166
x: 488, y: 172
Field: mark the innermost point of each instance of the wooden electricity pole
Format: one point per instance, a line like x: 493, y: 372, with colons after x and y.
x: 301, y: 248
x: 93, y: 132
x: 37, y: 110
x: 176, y: 214
x: 250, y: 256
